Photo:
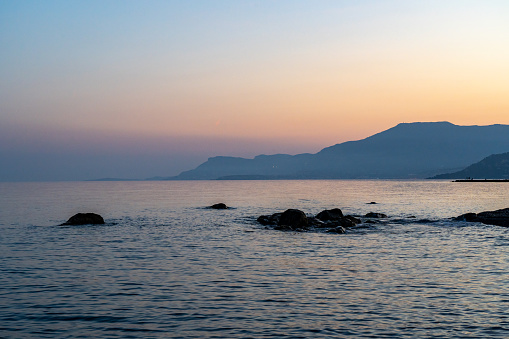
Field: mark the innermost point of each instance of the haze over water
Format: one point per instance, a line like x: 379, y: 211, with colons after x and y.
x: 165, y: 266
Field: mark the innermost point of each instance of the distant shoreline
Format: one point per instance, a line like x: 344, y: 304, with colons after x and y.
x: 481, y: 180
x: 258, y: 178
x: 113, y: 179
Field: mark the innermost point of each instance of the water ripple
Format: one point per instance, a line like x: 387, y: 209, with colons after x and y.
x: 164, y: 266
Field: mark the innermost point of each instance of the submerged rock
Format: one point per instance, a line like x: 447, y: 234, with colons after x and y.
x: 283, y: 228
x: 264, y: 220
x: 347, y: 222
x: 498, y: 217
x: 314, y: 222
x: 220, y: 206
x: 353, y: 219
x: 339, y: 230
x: 84, y: 219
x: 375, y: 215
x: 269, y: 219
x: 467, y: 217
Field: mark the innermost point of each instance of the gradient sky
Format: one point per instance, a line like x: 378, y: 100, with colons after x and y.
x: 136, y: 89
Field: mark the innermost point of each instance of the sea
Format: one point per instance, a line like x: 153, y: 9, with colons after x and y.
x: 166, y: 266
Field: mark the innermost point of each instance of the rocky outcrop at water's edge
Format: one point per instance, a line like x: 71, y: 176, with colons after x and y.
x: 498, y: 217
x: 333, y: 220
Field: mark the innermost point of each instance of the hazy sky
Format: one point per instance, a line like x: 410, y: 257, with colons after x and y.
x: 92, y: 89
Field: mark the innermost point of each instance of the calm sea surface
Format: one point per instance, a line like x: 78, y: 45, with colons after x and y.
x: 164, y: 266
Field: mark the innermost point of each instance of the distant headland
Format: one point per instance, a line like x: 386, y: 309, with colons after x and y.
x: 493, y: 168
x: 420, y: 150
x: 407, y: 151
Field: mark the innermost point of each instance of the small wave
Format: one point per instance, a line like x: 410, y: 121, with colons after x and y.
x: 64, y: 317
x: 128, y: 329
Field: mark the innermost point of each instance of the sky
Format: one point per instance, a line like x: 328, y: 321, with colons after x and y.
x: 137, y: 89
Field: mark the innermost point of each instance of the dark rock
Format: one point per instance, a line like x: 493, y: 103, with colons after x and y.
x: 333, y: 214
x: 274, y: 218
x: 375, y: 215
x: 293, y: 218
x: 370, y: 221
x: 498, y: 217
x: 85, y: 219
x: 467, y: 217
x: 372, y: 203
x: 314, y: 222
x: 283, y: 228
x: 264, y: 220
x: 346, y: 222
x: 327, y: 224
x: 269, y: 219
x: 219, y: 206
x: 353, y: 219
x: 343, y: 222
x: 339, y: 230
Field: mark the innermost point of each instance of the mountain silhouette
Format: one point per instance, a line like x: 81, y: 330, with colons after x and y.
x: 408, y: 150
x: 495, y: 166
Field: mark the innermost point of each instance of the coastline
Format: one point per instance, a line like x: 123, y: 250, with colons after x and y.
x: 481, y: 180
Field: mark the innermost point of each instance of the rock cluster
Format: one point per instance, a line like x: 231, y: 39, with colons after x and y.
x: 498, y: 217
x: 332, y: 221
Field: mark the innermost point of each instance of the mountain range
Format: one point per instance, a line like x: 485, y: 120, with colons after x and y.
x: 408, y: 150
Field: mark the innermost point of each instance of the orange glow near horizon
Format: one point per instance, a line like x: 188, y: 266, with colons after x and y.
x: 343, y: 74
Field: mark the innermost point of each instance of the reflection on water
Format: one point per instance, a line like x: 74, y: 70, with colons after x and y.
x: 164, y: 266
